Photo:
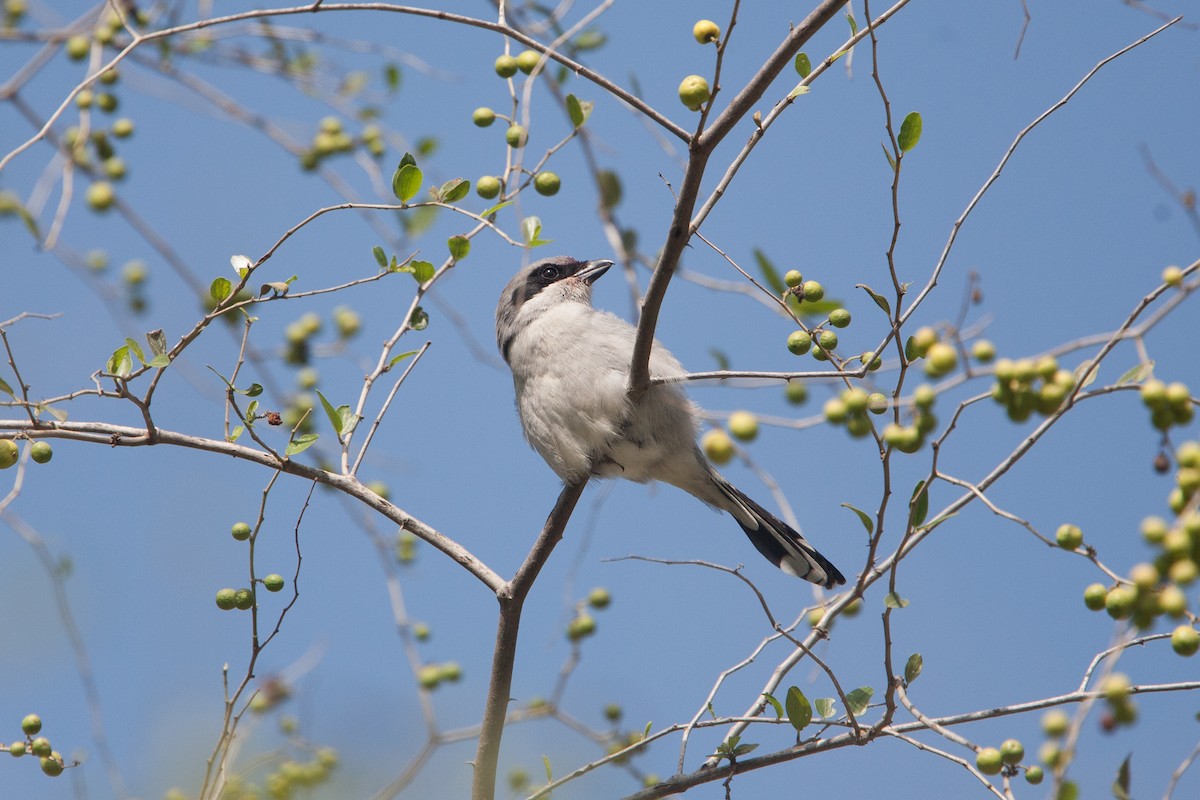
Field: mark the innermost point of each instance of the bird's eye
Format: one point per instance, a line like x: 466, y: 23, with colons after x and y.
x: 548, y: 273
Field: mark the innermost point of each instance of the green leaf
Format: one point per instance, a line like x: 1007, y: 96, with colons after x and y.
x: 531, y: 232
x: 910, y: 349
x: 380, y: 256
x: 910, y: 132
x: 774, y: 704
x: 1069, y: 790
x: 460, y: 247
x: 743, y: 749
x: 720, y: 357
x: 1137, y: 374
x: 919, y: 505
x: 157, y: 341
x: 913, y: 667
x: 455, y: 189
x: 4, y: 387
x: 397, y: 359
x: 391, y: 76
x: 803, y: 65
x: 220, y: 289
x: 236, y: 433
x: 825, y: 707
x: 939, y: 521
x: 136, y: 349
x: 496, y: 208
x: 119, y: 362
x: 419, y: 320
x: 799, y: 90
x: 862, y: 517
x: 888, y: 155
x: 251, y: 409
x: 769, y: 273
x: 407, y: 182
x: 894, y: 600
x: 159, y: 361
x: 1120, y: 787
x: 879, y: 299
x: 858, y: 700
x: 549, y: 772
x: 422, y: 271
x: 579, y: 110
x: 799, y: 710
x: 853, y: 24
x: 335, y: 419
x: 300, y: 444
x: 254, y: 391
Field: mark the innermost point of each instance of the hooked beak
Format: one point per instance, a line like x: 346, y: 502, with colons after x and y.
x: 593, y: 270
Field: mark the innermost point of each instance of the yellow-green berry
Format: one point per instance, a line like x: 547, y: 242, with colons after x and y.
x: 706, y: 31
x: 743, y: 425
x: 506, y: 66
x: 547, y: 183
x: 483, y: 116
x: 694, y: 92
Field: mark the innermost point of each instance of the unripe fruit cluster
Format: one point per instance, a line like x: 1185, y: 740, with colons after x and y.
x: 1156, y: 588
x: 583, y: 624
x: 331, y: 139
x: 50, y: 760
x: 719, y: 447
x: 292, y: 776
x: 39, y: 451
x: 991, y: 760
x: 852, y: 408
x: 241, y: 599
x: 1121, y: 709
x: 1169, y: 404
x: 1027, y: 386
x: 430, y: 676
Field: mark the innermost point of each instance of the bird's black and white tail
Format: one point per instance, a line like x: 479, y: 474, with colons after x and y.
x: 782, y: 545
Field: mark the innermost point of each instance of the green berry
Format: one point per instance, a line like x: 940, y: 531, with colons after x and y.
x: 856, y: 400
x: 717, y: 446
x: 77, y: 47
x: 547, y: 183
x: 1116, y: 687
x: 1069, y: 537
x: 877, y: 403
x: 122, y: 128
x: 487, y: 187
x: 527, y: 60
x: 40, y: 747
x: 582, y: 626
x: 839, y: 318
x: 17, y: 749
x: 983, y: 351
x: 1185, y: 640
x: 421, y: 632
x: 506, y: 66
x: 226, y: 599
x: 706, y: 31
x: 31, y: 725
x: 1055, y: 723
x: 828, y: 340
x: 100, y: 196
x: 106, y: 102
x: 273, y: 582
x: 799, y: 342
x: 1094, y: 596
x: 240, y: 531
x: 924, y: 396
x: 599, y: 598
x: 1154, y: 529
x: 429, y: 676
x: 1120, y: 602
x: 51, y: 766
x: 483, y: 116
x: 796, y: 391
x: 694, y: 92
x: 989, y: 761
x: 941, y: 358
x: 813, y: 291
x: 1034, y: 774
x: 1011, y: 751
x: 243, y: 599
x: 8, y: 453
x: 835, y: 410
x: 743, y: 425
x: 1154, y: 393
x: 1171, y: 276
x: 792, y: 278
x: 923, y: 339
x: 516, y: 136
x: 612, y: 712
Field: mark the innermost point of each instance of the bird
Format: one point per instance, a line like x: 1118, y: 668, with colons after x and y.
x: 570, y: 368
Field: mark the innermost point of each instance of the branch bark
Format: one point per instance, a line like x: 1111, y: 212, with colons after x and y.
x: 512, y: 599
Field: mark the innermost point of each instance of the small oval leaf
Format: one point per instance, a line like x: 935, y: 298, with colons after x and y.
x: 913, y: 667
x: 220, y: 289
x: 799, y: 710
x: 910, y: 132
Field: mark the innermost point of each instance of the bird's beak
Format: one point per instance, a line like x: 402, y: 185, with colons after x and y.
x: 593, y: 270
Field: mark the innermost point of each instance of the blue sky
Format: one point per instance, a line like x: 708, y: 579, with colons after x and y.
x: 1074, y: 233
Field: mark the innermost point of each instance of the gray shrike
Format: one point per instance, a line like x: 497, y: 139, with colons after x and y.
x: 570, y: 365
